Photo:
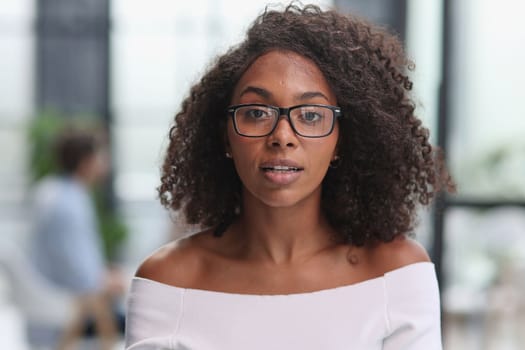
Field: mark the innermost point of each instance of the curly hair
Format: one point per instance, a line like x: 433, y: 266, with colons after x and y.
x: 387, y: 166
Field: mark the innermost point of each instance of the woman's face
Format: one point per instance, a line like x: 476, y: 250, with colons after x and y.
x: 282, y: 169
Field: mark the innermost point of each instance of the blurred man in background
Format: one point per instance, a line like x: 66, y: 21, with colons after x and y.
x: 67, y: 247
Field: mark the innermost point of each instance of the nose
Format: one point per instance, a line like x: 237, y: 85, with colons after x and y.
x: 283, y: 135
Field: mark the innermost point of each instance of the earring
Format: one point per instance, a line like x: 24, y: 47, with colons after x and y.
x: 228, y: 155
x: 335, y: 162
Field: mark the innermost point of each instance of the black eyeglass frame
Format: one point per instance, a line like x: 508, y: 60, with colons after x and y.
x: 337, y: 113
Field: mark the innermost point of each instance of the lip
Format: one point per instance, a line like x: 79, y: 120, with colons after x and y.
x: 280, y: 162
x: 281, y: 177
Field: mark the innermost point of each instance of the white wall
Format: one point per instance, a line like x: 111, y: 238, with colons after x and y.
x: 16, y: 108
x: 488, y: 109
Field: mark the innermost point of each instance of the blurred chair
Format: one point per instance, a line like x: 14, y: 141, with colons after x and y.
x: 46, y: 309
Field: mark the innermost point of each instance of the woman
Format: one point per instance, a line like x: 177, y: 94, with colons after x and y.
x: 299, y: 149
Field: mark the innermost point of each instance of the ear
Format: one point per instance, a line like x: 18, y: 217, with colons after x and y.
x: 226, y: 142
x: 335, y: 153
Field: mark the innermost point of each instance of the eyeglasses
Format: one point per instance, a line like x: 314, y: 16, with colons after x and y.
x: 308, y: 120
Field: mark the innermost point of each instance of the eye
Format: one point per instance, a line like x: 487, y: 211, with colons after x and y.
x: 311, y: 117
x: 254, y: 113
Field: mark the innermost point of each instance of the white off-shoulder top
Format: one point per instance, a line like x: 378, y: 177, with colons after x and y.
x: 397, y: 311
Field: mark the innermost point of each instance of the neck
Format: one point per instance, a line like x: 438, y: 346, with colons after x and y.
x: 81, y: 178
x: 283, y: 235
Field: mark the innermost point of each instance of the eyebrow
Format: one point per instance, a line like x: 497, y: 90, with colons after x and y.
x: 311, y: 94
x: 257, y: 90
x: 267, y: 94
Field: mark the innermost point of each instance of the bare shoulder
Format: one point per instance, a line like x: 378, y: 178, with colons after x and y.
x: 400, y: 252
x: 178, y: 263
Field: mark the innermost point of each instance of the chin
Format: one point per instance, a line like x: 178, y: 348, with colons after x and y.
x: 285, y: 198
